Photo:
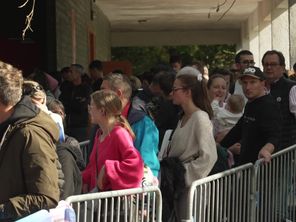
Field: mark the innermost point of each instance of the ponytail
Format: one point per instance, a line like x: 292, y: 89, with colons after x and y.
x: 111, y: 103
x: 124, y: 123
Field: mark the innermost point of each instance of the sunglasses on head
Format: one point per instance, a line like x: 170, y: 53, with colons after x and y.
x: 27, y: 91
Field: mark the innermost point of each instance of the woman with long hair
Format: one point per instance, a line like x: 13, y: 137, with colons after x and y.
x: 114, y: 162
x: 192, y: 141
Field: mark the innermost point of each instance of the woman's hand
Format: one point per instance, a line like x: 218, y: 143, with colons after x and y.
x: 101, y: 178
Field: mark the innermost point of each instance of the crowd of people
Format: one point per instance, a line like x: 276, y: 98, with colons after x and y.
x: 220, y: 119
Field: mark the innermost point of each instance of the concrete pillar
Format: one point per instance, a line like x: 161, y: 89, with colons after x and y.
x: 264, y: 39
x: 264, y: 28
x: 254, y: 35
x: 244, y: 36
x: 280, y: 29
x: 292, y: 24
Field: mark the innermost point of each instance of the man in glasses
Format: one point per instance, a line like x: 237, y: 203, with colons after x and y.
x: 243, y: 59
x: 284, y: 92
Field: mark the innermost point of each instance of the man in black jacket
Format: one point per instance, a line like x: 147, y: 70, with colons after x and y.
x: 258, y: 130
x: 283, y: 91
x: 75, y: 99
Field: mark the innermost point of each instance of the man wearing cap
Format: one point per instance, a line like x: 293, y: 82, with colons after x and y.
x: 258, y: 130
x: 243, y: 59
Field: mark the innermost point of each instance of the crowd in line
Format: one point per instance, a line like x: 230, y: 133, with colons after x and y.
x: 220, y: 119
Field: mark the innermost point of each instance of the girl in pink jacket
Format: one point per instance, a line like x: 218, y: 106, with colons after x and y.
x: 114, y: 162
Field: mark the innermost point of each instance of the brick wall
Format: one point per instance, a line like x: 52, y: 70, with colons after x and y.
x: 76, y: 15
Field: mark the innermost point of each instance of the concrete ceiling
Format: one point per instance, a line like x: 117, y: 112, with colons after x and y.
x: 173, y: 15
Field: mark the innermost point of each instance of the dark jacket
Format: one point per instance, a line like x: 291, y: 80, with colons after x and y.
x: 76, y: 149
x: 72, y: 175
x: 29, y: 177
x: 260, y: 124
x: 280, y: 91
x: 172, y: 186
x: 167, y: 117
x: 75, y: 100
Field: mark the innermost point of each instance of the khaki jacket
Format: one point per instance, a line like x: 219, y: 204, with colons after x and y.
x: 29, y: 177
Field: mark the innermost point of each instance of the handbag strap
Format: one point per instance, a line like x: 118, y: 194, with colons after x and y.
x: 170, y: 140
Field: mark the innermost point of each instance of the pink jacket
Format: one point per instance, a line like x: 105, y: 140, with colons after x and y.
x: 123, y: 163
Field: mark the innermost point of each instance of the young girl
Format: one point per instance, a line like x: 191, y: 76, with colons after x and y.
x: 192, y: 141
x: 114, y: 162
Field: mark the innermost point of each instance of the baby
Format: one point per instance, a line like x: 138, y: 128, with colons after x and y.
x: 226, y: 117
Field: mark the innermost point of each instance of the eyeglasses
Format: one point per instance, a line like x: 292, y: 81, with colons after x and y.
x: 175, y: 89
x: 248, y: 62
x: 272, y: 65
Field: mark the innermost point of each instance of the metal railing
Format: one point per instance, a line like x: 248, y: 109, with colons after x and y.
x: 276, y: 187
x: 252, y: 192
x: 139, y: 204
x: 85, y: 150
x: 226, y: 196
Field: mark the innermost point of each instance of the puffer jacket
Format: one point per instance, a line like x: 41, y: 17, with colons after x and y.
x: 29, y: 177
x: 72, y: 175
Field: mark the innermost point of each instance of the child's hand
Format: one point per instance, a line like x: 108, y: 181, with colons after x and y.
x: 235, y: 148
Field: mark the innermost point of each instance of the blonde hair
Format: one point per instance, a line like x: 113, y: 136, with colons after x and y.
x: 236, y: 103
x: 111, y: 103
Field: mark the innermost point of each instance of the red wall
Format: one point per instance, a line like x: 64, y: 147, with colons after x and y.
x: 125, y: 66
x: 23, y: 55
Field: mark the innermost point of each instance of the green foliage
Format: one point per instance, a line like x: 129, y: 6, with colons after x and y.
x: 143, y: 58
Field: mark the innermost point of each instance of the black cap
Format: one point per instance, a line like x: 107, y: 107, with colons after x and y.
x: 254, y: 72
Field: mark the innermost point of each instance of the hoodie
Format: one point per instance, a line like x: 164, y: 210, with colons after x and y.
x: 28, y: 160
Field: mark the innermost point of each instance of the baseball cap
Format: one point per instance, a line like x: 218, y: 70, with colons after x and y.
x: 254, y: 72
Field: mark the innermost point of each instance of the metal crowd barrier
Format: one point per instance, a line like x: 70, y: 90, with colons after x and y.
x: 256, y: 193
x: 225, y: 196
x: 85, y: 151
x: 139, y: 204
x: 276, y: 187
